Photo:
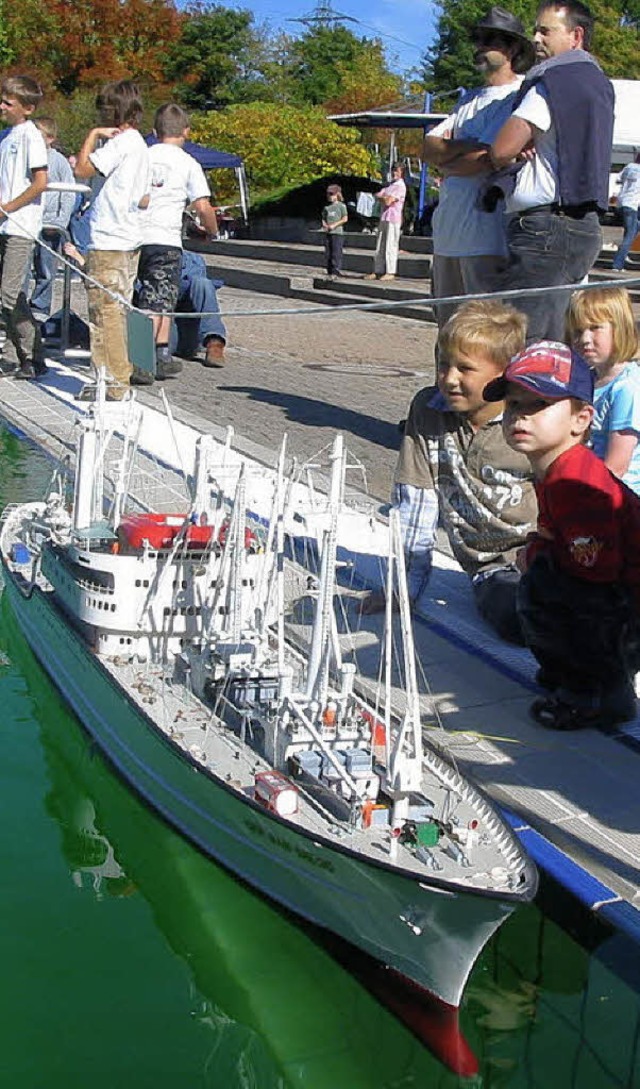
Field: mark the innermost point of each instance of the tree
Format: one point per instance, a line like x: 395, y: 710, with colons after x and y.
x: 323, y: 53
x: 103, y: 40
x: 365, y: 83
x: 214, y: 61
x: 283, y: 147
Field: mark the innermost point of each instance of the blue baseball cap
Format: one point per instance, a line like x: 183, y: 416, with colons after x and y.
x: 548, y: 368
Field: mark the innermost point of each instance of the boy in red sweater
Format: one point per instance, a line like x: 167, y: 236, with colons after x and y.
x: 579, y: 596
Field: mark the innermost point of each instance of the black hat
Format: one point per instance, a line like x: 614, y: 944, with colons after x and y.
x: 497, y: 19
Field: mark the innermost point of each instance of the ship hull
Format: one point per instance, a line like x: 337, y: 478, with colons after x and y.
x: 430, y: 933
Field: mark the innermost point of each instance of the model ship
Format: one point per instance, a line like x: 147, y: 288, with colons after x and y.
x: 170, y: 635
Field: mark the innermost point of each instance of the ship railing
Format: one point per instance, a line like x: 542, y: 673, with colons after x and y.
x: 502, y: 836
x: 95, y: 587
x: 10, y: 509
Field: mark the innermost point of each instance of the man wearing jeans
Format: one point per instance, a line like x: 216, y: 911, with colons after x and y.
x: 198, y: 296
x: 561, y: 129
x: 628, y: 202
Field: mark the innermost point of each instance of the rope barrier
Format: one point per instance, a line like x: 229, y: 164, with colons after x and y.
x: 308, y: 311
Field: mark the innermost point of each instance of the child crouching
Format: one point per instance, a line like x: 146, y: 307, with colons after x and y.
x: 579, y: 597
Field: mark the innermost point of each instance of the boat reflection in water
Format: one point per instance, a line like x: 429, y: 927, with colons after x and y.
x: 273, y: 995
x: 540, y: 1011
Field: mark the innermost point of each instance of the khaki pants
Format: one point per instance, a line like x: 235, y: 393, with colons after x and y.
x: 24, y: 343
x: 116, y: 270
x: 386, y: 258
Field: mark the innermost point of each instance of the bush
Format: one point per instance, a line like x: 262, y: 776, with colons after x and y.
x: 283, y: 146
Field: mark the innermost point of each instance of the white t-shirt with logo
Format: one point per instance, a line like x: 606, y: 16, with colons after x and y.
x: 537, y: 181
x: 22, y: 151
x: 114, y: 216
x: 629, y: 195
x: 176, y: 181
x: 460, y: 227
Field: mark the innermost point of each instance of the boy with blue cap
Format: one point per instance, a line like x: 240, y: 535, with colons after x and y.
x: 579, y: 596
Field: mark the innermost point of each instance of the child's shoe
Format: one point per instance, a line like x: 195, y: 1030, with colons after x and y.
x: 166, y: 365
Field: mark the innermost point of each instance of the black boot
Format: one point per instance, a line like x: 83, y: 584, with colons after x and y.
x: 166, y: 365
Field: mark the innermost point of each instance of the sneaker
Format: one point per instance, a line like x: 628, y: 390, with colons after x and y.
x: 25, y: 372
x: 89, y: 393
x: 7, y: 369
x: 170, y: 368
x: 388, y: 276
x: 553, y: 714
x: 372, y: 276
x: 214, y: 353
x: 166, y: 365
x: 141, y: 378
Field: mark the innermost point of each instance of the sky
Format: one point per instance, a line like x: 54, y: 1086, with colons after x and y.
x: 406, y: 27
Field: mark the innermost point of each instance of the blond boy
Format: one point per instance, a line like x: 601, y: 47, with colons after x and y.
x: 455, y: 466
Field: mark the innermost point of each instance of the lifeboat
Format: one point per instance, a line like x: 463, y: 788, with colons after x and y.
x: 161, y: 530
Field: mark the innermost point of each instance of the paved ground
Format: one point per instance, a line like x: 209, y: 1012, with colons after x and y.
x: 310, y: 376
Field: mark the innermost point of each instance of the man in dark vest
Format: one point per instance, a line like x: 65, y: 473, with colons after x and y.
x: 560, y: 135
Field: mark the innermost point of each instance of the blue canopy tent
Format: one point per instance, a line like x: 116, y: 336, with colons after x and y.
x: 211, y: 159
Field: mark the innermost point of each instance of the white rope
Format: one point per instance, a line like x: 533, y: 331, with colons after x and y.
x: 306, y: 311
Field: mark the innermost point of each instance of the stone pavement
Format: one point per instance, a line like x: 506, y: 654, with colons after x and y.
x: 310, y: 376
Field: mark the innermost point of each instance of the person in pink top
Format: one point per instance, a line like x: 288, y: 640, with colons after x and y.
x: 392, y: 198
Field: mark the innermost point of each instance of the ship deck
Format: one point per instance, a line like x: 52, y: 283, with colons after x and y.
x: 571, y: 797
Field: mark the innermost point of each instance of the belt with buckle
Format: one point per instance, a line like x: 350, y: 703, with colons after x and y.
x: 573, y: 211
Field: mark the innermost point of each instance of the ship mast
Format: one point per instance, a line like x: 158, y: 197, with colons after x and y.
x: 323, y: 628
x: 405, y: 755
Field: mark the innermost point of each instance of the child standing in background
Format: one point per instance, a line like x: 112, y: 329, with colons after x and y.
x: 601, y: 326
x: 177, y: 180
x: 23, y: 179
x: 57, y: 208
x: 334, y: 217
x: 114, y: 227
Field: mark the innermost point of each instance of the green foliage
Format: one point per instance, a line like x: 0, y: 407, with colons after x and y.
x: 285, y: 146
x: 322, y: 53
x: 214, y: 60
x: 365, y: 82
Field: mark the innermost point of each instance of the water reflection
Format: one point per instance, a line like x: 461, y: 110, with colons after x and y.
x: 23, y: 473
x: 282, y: 1011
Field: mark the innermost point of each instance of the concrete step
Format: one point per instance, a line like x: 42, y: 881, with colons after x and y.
x: 311, y: 254
x: 603, y: 271
x: 360, y: 240
x: 394, y: 290
x: 328, y: 297
x: 231, y: 263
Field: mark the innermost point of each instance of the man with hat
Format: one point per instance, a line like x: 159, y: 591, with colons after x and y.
x: 560, y: 131
x: 469, y: 243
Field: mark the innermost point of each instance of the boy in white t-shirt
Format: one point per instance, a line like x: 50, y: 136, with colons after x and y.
x: 23, y: 178
x: 177, y: 180
x: 116, y: 152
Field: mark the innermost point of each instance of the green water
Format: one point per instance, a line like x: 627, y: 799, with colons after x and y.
x: 129, y: 961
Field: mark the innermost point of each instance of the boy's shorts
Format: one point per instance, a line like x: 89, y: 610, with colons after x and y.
x: 159, y: 277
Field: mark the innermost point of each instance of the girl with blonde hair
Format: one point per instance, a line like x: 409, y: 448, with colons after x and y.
x: 601, y: 326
